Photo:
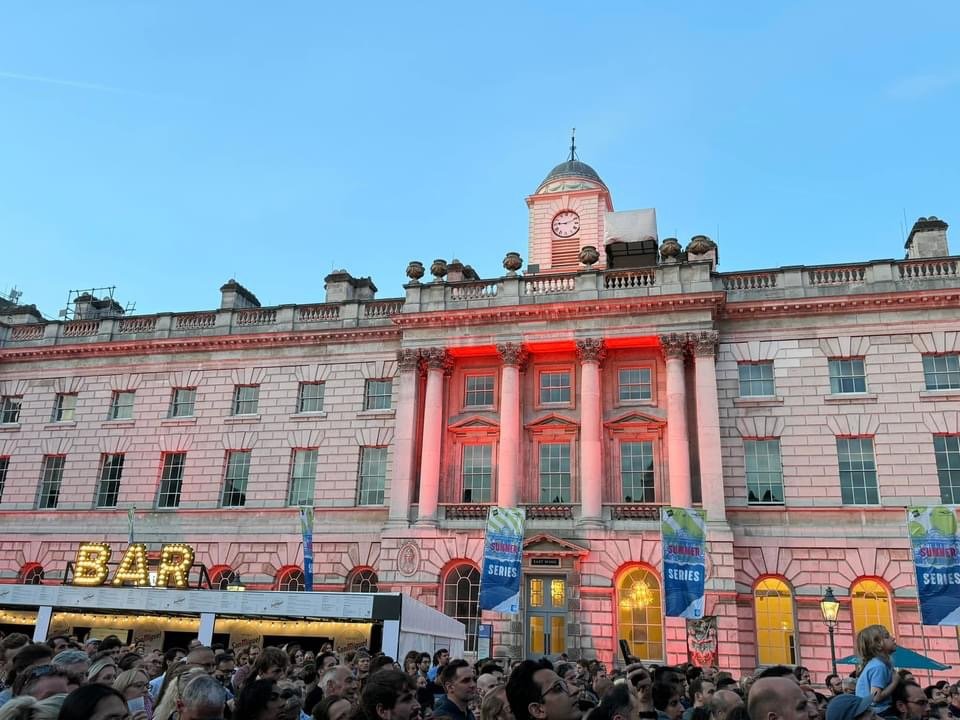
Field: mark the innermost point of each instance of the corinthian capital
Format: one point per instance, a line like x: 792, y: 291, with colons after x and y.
x: 674, y: 344
x: 704, y: 343
x: 512, y: 354
x: 408, y: 359
x: 591, y: 350
x: 436, y: 358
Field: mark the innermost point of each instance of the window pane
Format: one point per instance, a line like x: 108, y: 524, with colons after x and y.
x: 10, y: 409
x: 64, y: 407
x: 640, y: 614
x: 870, y: 605
x: 50, y: 481
x: 303, y: 477
x: 171, y: 480
x: 764, y: 471
x: 634, y: 384
x: 311, y: 397
x: 4, y: 466
x: 554, y: 387
x: 636, y: 471
x: 941, y: 372
x: 858, y: 472
x: 756, y: 379
x: 847, y: 376
x: 461, y: 596
x: 373, y: 475
x: 111, y: 468
x: 555, y: 473
x: 245, y: 399
x: 477, y: 473
x: 363, y: 581
x: 121, y: 406
x: 947, y: 450
x: 183, y: 402
x: 479, y: 391
x: 776, y: 641
x: 235, y: 481
x: 377, y: 394
x: 292, y: 581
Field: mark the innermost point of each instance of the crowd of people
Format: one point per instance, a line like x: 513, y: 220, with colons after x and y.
x: 66, y: 679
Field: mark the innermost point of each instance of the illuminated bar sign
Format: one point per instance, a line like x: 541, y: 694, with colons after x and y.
x: 90, y: 568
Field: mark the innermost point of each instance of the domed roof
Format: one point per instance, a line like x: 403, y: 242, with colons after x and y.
x: 573, y: 168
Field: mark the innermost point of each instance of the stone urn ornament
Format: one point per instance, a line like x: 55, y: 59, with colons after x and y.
x: 670, y: 250
x: 588, y: 255
x: 512, y: 262
x: 438, y: 269
x: 700, y: 244
x: 415, y: 271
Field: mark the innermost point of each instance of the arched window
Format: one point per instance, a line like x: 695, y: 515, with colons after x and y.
x: 776, y: 635
x: 363, y: 580
x: 291, y: 579
x: 870, y: 605
x: 31, y: 574
x: 223, y: 578
x: 640, y: 613
x: 461, y: 598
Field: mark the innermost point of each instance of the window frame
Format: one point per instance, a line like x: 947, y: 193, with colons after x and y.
x: 10, y: 408
x: 464, y: 447
x: 469, y: 375
x: 621, y: 496
x: 645, y: 573
x: 553, y: 441
x: 791, y: 598
x: 242, y: 402
x: 835, y: 368
x: 176, y: 403
x: 165, y: 492
x: 105, y: 476
x: 556, y: 369
x: 369, y: 397
x: 117, y: 406
x: 854, y: 602
x: 949, y: 470
x: 59, y: 408
x: 46, y: 489
x: 310, y: 498
x: 453, y: 602
x: 238, y: 497
x: 620, y: 401
x: 362, y: 579
x: 933, y: 372
x: 847, y: 439
x: 361, y: 490
x: 302, y: 400
x: 291, y: 576
x: 4, y: 469
x: 750, y: 381
x: 747, y: 472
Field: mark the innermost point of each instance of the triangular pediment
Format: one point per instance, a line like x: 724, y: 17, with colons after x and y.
x: 651, y: 416
x: 475, y: 422
x: 553, y: 421
x: 546, y: 544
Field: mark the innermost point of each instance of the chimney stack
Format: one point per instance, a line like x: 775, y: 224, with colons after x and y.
x: 928, y: 239
x: 234, y: 296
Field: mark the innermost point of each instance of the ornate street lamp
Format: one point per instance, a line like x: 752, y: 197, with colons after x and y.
x: 829, y: 609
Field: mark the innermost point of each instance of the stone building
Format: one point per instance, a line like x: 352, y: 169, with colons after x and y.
x: 803, y: 408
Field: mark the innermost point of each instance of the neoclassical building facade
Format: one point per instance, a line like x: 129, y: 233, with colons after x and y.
x: 803, y: 408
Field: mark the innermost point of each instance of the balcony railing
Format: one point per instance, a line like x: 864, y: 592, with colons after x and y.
x: 635, y: 511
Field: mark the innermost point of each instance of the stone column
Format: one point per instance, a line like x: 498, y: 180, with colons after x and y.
x: 405, y: 435
x: 513, y: 357
x: 436, y: 360
x: 678, y: 446
x: 708, y: 425
x: 591, y: 352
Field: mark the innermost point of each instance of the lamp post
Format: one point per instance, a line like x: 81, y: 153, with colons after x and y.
x: 829, y: 609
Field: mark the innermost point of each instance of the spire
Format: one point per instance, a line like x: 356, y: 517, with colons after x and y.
x: 573, y: 145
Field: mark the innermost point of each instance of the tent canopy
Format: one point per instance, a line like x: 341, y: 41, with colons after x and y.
x: 903, y: 658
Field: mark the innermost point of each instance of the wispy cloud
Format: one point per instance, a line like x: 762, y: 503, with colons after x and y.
x: 4, y: 74
x: 915, y: 87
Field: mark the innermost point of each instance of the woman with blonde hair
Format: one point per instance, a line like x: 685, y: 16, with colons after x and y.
x: 877, y: 680
x: 495, y: 705
x: 167, y: 702
x: 134, y: 684
x: 28, y: 707
x: 102, y: 672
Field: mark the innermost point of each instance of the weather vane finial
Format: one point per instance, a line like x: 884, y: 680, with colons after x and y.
x: 573, y: 144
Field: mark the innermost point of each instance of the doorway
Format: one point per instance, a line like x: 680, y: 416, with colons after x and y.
x: 546, y: 603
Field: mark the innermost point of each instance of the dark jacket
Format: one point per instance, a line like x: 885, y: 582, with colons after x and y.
x: 445, y: 706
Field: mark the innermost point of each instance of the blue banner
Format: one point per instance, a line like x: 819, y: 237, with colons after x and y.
x: 306, y: 528
x: 684, y: 562
x: 502, y: 555
x: 936, y: 559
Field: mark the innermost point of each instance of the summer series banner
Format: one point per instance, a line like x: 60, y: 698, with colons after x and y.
x: 502, y: 555
x: 936, y: 558
x: 684, y: 553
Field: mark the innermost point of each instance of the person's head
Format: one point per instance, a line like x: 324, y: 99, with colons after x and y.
x: 618, y: 704
x: 700, y: 691
x: 834, y: 684
x: 441, y: 657
x: 485, y: 682
x: 536, y: 692
x: 40, y: 681
x: 906, y: 675
x: 875, y: 641
x: 849, y: 707
x: 172, y: 657
x: 666, y: 699
x: 271, y: 664
x: 380, y: 662
x: 94, y: 702
x: 495, y: 705
x: 152, y: 663
x: 258, y: 700
x: 128, y: 661
x: 202, y: 657
x: 390, y: 695
x: 325, y: 661
x: 778, y: 671
x: 9, y: 646
x: 102, y: 672
x: 801, y: 674
x: 723, y: 703
x: 58, y: 643
x: 909, y: 701
x: 339, y: 680
x: 26, y: 657
x: 291, y: 694
x: 75, y: 664
x: 362, y: 662
x: 458, y: 681
x: 224, y: 665
x: 777, y: 698
x: 332, y: 707
x: 424, y: 663
x: 849, y: 685
x: 113, y: 645
x: 132, y: 683
x: 935, y: 694
x: 202, y: 698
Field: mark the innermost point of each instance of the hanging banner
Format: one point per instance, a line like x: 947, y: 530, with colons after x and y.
x: 684, y: 553
x: 306, y: 528
x: 502, y: 555
x: 702, y: 641
x: 936, y: 559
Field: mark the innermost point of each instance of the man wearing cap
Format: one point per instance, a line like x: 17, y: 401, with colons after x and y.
x: 849, y: 707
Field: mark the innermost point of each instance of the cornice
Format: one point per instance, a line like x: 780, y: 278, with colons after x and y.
x: 196, y: 344
x: 712, y: 301
x: 834, y: 305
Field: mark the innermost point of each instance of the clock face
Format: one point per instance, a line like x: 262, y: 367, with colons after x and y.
x: 566, y: 224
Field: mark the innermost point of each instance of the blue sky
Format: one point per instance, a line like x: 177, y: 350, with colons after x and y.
x: 164, y: 147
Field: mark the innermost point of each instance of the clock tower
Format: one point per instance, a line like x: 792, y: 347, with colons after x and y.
x: 567, y: 212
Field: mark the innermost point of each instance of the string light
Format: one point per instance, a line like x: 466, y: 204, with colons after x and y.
x: 133, y: 567
x: 91, y: 565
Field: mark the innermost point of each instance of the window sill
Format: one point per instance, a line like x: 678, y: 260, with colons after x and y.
x: 636, y: 403
x: 192, y: 420
x: 63, y: 425
x: 933, y: 395
x: 757, y: 401
x: 376, y: 413
x: 299, y: 417
x: 844, y: 398
x: 118, y: 423
x: 10, y: 427
x: 241, y: 419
